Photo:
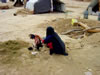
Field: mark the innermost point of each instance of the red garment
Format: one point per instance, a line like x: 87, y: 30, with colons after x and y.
x: 50, y: 45
x: 42, y: 41
x: 37, y: 39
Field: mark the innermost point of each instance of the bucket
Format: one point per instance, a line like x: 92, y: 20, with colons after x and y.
x: 86, y: 15
x: 99, y: 16
x: 63, y: 7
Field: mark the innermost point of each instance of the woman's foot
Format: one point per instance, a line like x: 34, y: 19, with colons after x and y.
x: 65, y: 54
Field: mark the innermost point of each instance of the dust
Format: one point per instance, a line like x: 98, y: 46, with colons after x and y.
x: 10, y: 50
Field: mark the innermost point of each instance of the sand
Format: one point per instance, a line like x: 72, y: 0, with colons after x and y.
x: 84, y: 54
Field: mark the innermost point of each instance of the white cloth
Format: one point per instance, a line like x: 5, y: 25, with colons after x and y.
x: 30, y: 4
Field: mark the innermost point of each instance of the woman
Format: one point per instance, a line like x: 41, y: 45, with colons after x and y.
x: 54, y: 42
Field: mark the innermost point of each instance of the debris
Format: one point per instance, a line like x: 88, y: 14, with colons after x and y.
x: 89, y: 29
x: 30, y: 48
x: 15, y: 14
x: 22, y: 12
x: 34, y: 53
x: 74, y: 21
x: 80, y: 30
x: 4, y: 7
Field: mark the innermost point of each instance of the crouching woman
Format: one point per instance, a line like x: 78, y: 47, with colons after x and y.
x: 54, y: 42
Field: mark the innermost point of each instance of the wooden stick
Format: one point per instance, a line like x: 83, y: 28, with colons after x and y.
x: 92, y: 29
x: 83, y: 25
x: 88, y: 29
x: 70, y: 31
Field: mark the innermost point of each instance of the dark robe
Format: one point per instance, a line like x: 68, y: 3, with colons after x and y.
x: 57, y: 43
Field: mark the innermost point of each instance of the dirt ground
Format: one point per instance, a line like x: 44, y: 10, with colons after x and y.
x: 84, y: 54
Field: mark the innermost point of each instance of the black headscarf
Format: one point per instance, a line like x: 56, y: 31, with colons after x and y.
x: 50, y: 31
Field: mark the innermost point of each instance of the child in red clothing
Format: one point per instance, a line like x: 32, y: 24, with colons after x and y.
x: 38, y: 40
